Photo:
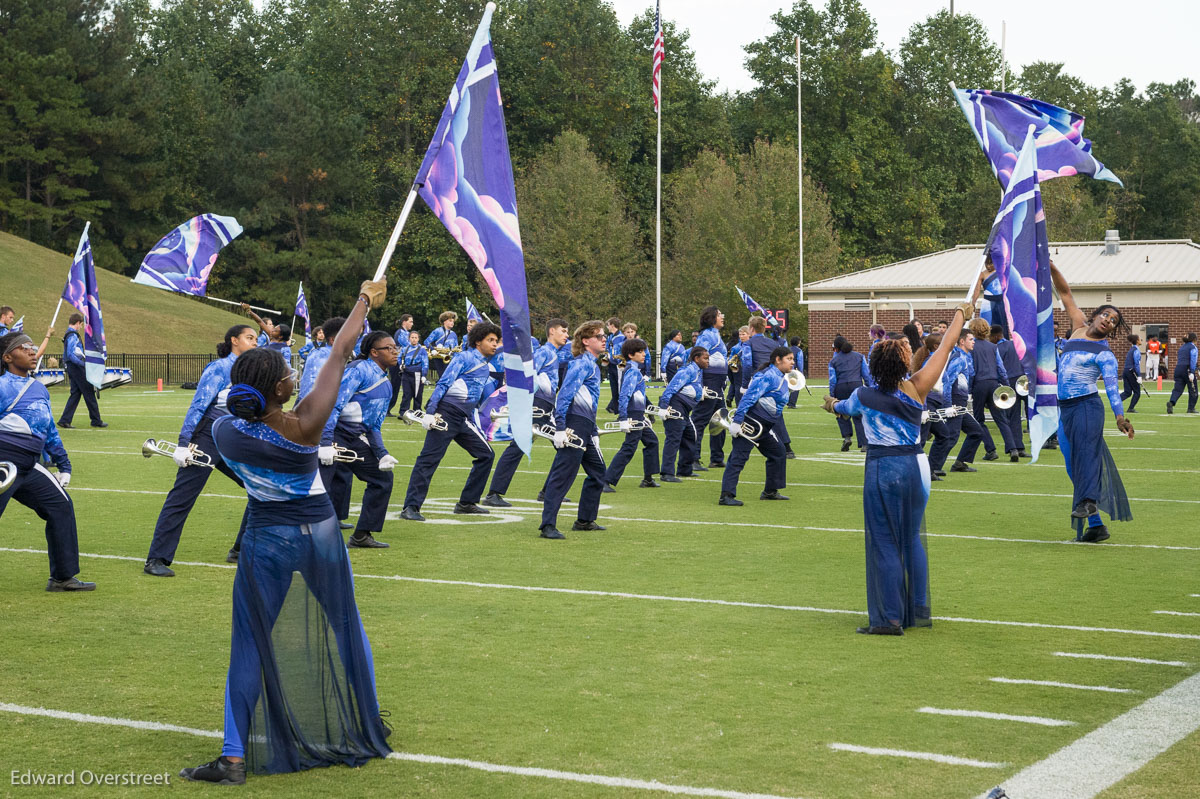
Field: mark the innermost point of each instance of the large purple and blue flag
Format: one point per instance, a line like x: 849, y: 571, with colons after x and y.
x: 1021, y: 255
x: 473, y: 312
x: 466, y: 180
x: 1000, y: 121
x: 494, y: 429
x: 18, y: 326
x: 754, y: 307
x: 184, y: 258
x: 82, y: 294
x: 302, y: 312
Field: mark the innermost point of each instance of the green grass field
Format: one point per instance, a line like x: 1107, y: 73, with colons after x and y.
x: 495, y: 646
x: 136, y: 318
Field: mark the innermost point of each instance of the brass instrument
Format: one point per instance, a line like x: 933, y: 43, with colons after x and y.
x: 735, y: 363
x: 1021, y: 386
x: 445, y: 353
x: 345, y: 454
x: 942, y: 414
x: 795, y: 380
x: 196, y: 456
x: 615, y: 427
x: 709, y: 394
x: 664, y: 413
x: 1004, y: 397
x: 502, y: 413
x: 748, y: 429
x: 602, y: 359
x: 573, y: 439
x: 8, y: 475
x: 416, y: 416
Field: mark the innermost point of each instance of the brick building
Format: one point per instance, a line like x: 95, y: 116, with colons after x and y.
x: 1154, y: 283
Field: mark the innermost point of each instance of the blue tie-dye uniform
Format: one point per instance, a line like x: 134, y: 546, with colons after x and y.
x: 209, y: 401
x: 464, y: 384
x: 687, y: 385
x: 882, y: 428
x: 441, y: 337
x: 312, y: 368
x: 280, y: 476
x: 710, y: 339
x: 632, y: 404
x: 73, y: 349
x: 956, y: 380
x: 671, y: 352
x: 580, y: 392
x: 545, y: 373
x: 361, y: 405
x: 766, y: 395
x: 28, y: 425
x: 414, y: 359
x: 1082, y: 363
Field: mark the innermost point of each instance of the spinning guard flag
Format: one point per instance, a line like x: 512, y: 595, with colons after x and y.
x: 184, y: 258
x: 82, y: 294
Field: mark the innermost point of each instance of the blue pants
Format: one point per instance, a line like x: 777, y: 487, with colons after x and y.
x: 680, y: 435
x: 981, y: 400
x: 394, y: 381
x: 650, y: 464
x: 769, y: 445
x: 510, y: 459
x: 946, y: 436
x: 38, y: 490
x: 703, y: 414
x: 80, y: 387
x: 460, y: 429
x: 411, y: 399
x: 300, y: 691
x: 614, y: 386
x: 378, y: 492
x: 895, y: 493
x: 843, y: 391
x: 189, y: 482
x: 1181, y: 381
x: 565, y: 468
x: 1132, y: 389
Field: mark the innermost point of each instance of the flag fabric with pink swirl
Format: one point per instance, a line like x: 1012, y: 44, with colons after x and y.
x: 1021, y: 255
x: 754, y: 307
x: 494, y: 429
x: 184, y: 258
x: 1000, y: 120
x: 466, y: 179
x: 83, y: 294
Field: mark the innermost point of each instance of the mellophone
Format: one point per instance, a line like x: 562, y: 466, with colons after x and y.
x: 8, y: 474
x: 942, y: 414
x: 113, y: 377
x: 198, y: 457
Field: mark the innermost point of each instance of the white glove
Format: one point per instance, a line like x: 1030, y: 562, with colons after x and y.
x: 387, y: 463
x: 326, y: 454
x: 420, y: 380
x: 735, y: 429
x: 560, y: 439
x: 182, y: 456
x: 428, y: 421
x: 64, y: 478
x: 626, y: 425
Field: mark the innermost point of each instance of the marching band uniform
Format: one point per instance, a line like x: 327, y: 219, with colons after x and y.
x: 1185, y: 375
x: 1018, y: 412
x: 895, y: 493
x: 613, y: 348
x: 714, y: 379
x: 564, y: 360
x: 993, y: 295
x: 414, y: 367
x: 440, y: 337
x: 457, y: 394
x: 956, y: 384
x: 681, y: 394
x: 798, y: 356
x: 80, y: 387
x: 990, y: 373
x: 575, y: 409
x: 283, y: 349
x: 312, y: 367
x: 848, y: 371
x: 355, y: 423
x: 545, y: 384
x: 632, y: 407
x: 760, y: 348
x: 673, y: 355
x: 26, y: 432
x: 1132, y: 375
x: 736, y: 387
x: 207, y: 406
x: 307, y: 350
x: 763, y: 404
x: 1081, y: 432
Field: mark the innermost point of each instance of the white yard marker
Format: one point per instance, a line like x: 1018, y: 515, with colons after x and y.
x: 1147, y: 661
x: 522, y: 771
x: 1108, y: 754
x: 1052, y: 684
x: 1175, y: 613
x: 949, y: 759
x: 984, y: 714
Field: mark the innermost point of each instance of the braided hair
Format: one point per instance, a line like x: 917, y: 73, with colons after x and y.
x: 254, y: 376
x: 368, y: 343
x: 888, y: 364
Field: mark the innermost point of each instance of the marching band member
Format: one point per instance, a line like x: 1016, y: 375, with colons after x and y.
x: 1132, y: 374
x: 711, y: 322
x: 26, y: 431
x: 355, y: 423
x: 322, y: 709
x: 737, y: 385
x: 1185, y: 374
x: 1086, y: 357
x: 7, y: 315
x: 759, y: 348
x: 934, y: 400
x: 318, y: 342
x: 75, y: 365
x: 545, y: 370
x: 1012, y: 366
x: 630, y: 409
x: 208, y: 405
x: 847, y: 371
x: 396, y: 370
x: 464, y: 384
x: 442, y: 336
x: 989, y: 373
x: 798, y: 359
x: 682, y: 394
x: 878, y: 334
x: 564, y: 359
x: 956, y: 384
x: 896, y: 481
x: 575, y: 412
x: 414, y: 366
x: 312, y: 367
x: 612, y: 346
x: 673, y: 354
x: 763, y: 405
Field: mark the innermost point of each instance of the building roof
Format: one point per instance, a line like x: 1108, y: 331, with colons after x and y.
x: 1167, y: 263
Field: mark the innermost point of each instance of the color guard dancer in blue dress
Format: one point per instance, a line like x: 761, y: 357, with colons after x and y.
x: 26, y: 431
x: 896, y: 480
x: 631, y: 409
x: 1086, y: 358
x: 762, y: 405
x: 208, y: 405
x: 682, y: 394
x: 300, y: 692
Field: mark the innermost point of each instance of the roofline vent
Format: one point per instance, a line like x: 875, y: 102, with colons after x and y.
x: 1112, y: 242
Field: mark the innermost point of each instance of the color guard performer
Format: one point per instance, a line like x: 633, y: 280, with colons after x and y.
x: 847, y: 371
x: 762, y: 406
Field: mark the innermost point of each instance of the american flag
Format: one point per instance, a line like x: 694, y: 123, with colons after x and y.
x: 657, y: 56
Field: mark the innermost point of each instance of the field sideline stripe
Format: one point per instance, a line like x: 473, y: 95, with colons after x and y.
x: 1148, y: 661
x: 521, y: 771
x: 662, y: 598
x: 1175, y: 613
x: 948, y: 759
x: 985, y: 714
x: 1108, y: 754
x: 1053, y: 684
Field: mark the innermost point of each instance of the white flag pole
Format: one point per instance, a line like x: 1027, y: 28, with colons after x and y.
x: 658, y: 241
x: 396, y: 231
x: 800, y: 161
x: 292, y: 326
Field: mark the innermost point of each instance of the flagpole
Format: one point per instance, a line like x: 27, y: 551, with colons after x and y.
x: 292, y: 326
x: 658, y: 241
x: 231, y: 302
x: 391, y: 245
x: 800, y: 162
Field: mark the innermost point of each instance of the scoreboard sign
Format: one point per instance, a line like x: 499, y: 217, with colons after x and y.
x: 781, y: 316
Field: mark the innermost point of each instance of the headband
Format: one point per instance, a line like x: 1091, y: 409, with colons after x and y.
x: 17, y: 341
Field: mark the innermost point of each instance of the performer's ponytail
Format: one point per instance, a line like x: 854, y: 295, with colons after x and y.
x: 254, y: 376
x: 226, y: 345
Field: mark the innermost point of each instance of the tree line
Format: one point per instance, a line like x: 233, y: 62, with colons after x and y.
x: 307, y: 120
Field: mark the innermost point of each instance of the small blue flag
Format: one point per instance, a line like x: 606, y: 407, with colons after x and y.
x: 754, y: 307
x: 473, y: 312
x: 82, y: 294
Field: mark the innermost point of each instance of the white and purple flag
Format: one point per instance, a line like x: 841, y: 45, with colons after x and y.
x: 82, y: 294
x: 1021, y: 255
x: 754, y: 307
x: 473, y: 312
x: 466, y: 180
x: 302, y: 312
x: 18, y: 326
x: 184, y: 258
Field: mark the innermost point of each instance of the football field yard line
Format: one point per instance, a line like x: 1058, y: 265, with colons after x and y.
x: 1147, y: 661
x: 664, y: 598
x: 1174, y: 613
x: 986, y: 714
x: 1108, y: 754
x: 1053, y: 684
x: 478, y: 765
x: 911, y: 755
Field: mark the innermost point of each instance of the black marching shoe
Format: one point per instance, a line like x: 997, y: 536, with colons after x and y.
x: 365, y: 541
x: 220, y: 771
x: 939, y: 472
x: 469, y: 508
x: 1014, y: 457
x: 888, y: 630
x: 699, y: 467
x: 670, y: 478
x: 494, y: 500
x: 587, y: 526
x: 1084, y: 509
x: 933, y: 478
x: 411, y: 514
x: 157, y: 567
x: 1193, y: 411
x: 716, y: 464
x: 648, y: 482
x: 959, y: 466
x: 550, y: 531
x: 541, y: 496
x: 1094, y: 535
x: 791, y: 456
x: 1023, y: 454
x: 69, y: 426
x: 1170, y: 409
x: 730, y: 500
x: 69, y: 584
x: 608, y: 489
x: 99, y: 424
x: 345, y: 526
x: 991, y: 456
x: 232, y: 556
x: 846, y: 444
x: 772, y: 494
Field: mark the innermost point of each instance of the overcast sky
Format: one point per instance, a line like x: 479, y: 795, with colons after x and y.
x: 1100, y: 41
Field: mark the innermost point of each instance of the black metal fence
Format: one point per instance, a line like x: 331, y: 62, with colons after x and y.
x: 149, y: 368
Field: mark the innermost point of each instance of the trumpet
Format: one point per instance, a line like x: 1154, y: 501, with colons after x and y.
x: 196, y: 456
x: 1021, y: 386
x: 615, y: 427
x: 748, y: 429
x: 502, y: 413
x: 735, y: 363
x: 795, y: 380
x: 1005, y: 397
x: 709, y: 394
x: 602, y: 359
x: 445, y: 353
x: 345, y: 454
x: 416, y: 416
x: 573, y: 439
x: 664, y: 413
x: 8, y: 475
x: 942, y: 414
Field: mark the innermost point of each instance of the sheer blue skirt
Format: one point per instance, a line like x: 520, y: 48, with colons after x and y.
x: 1090, y: 465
